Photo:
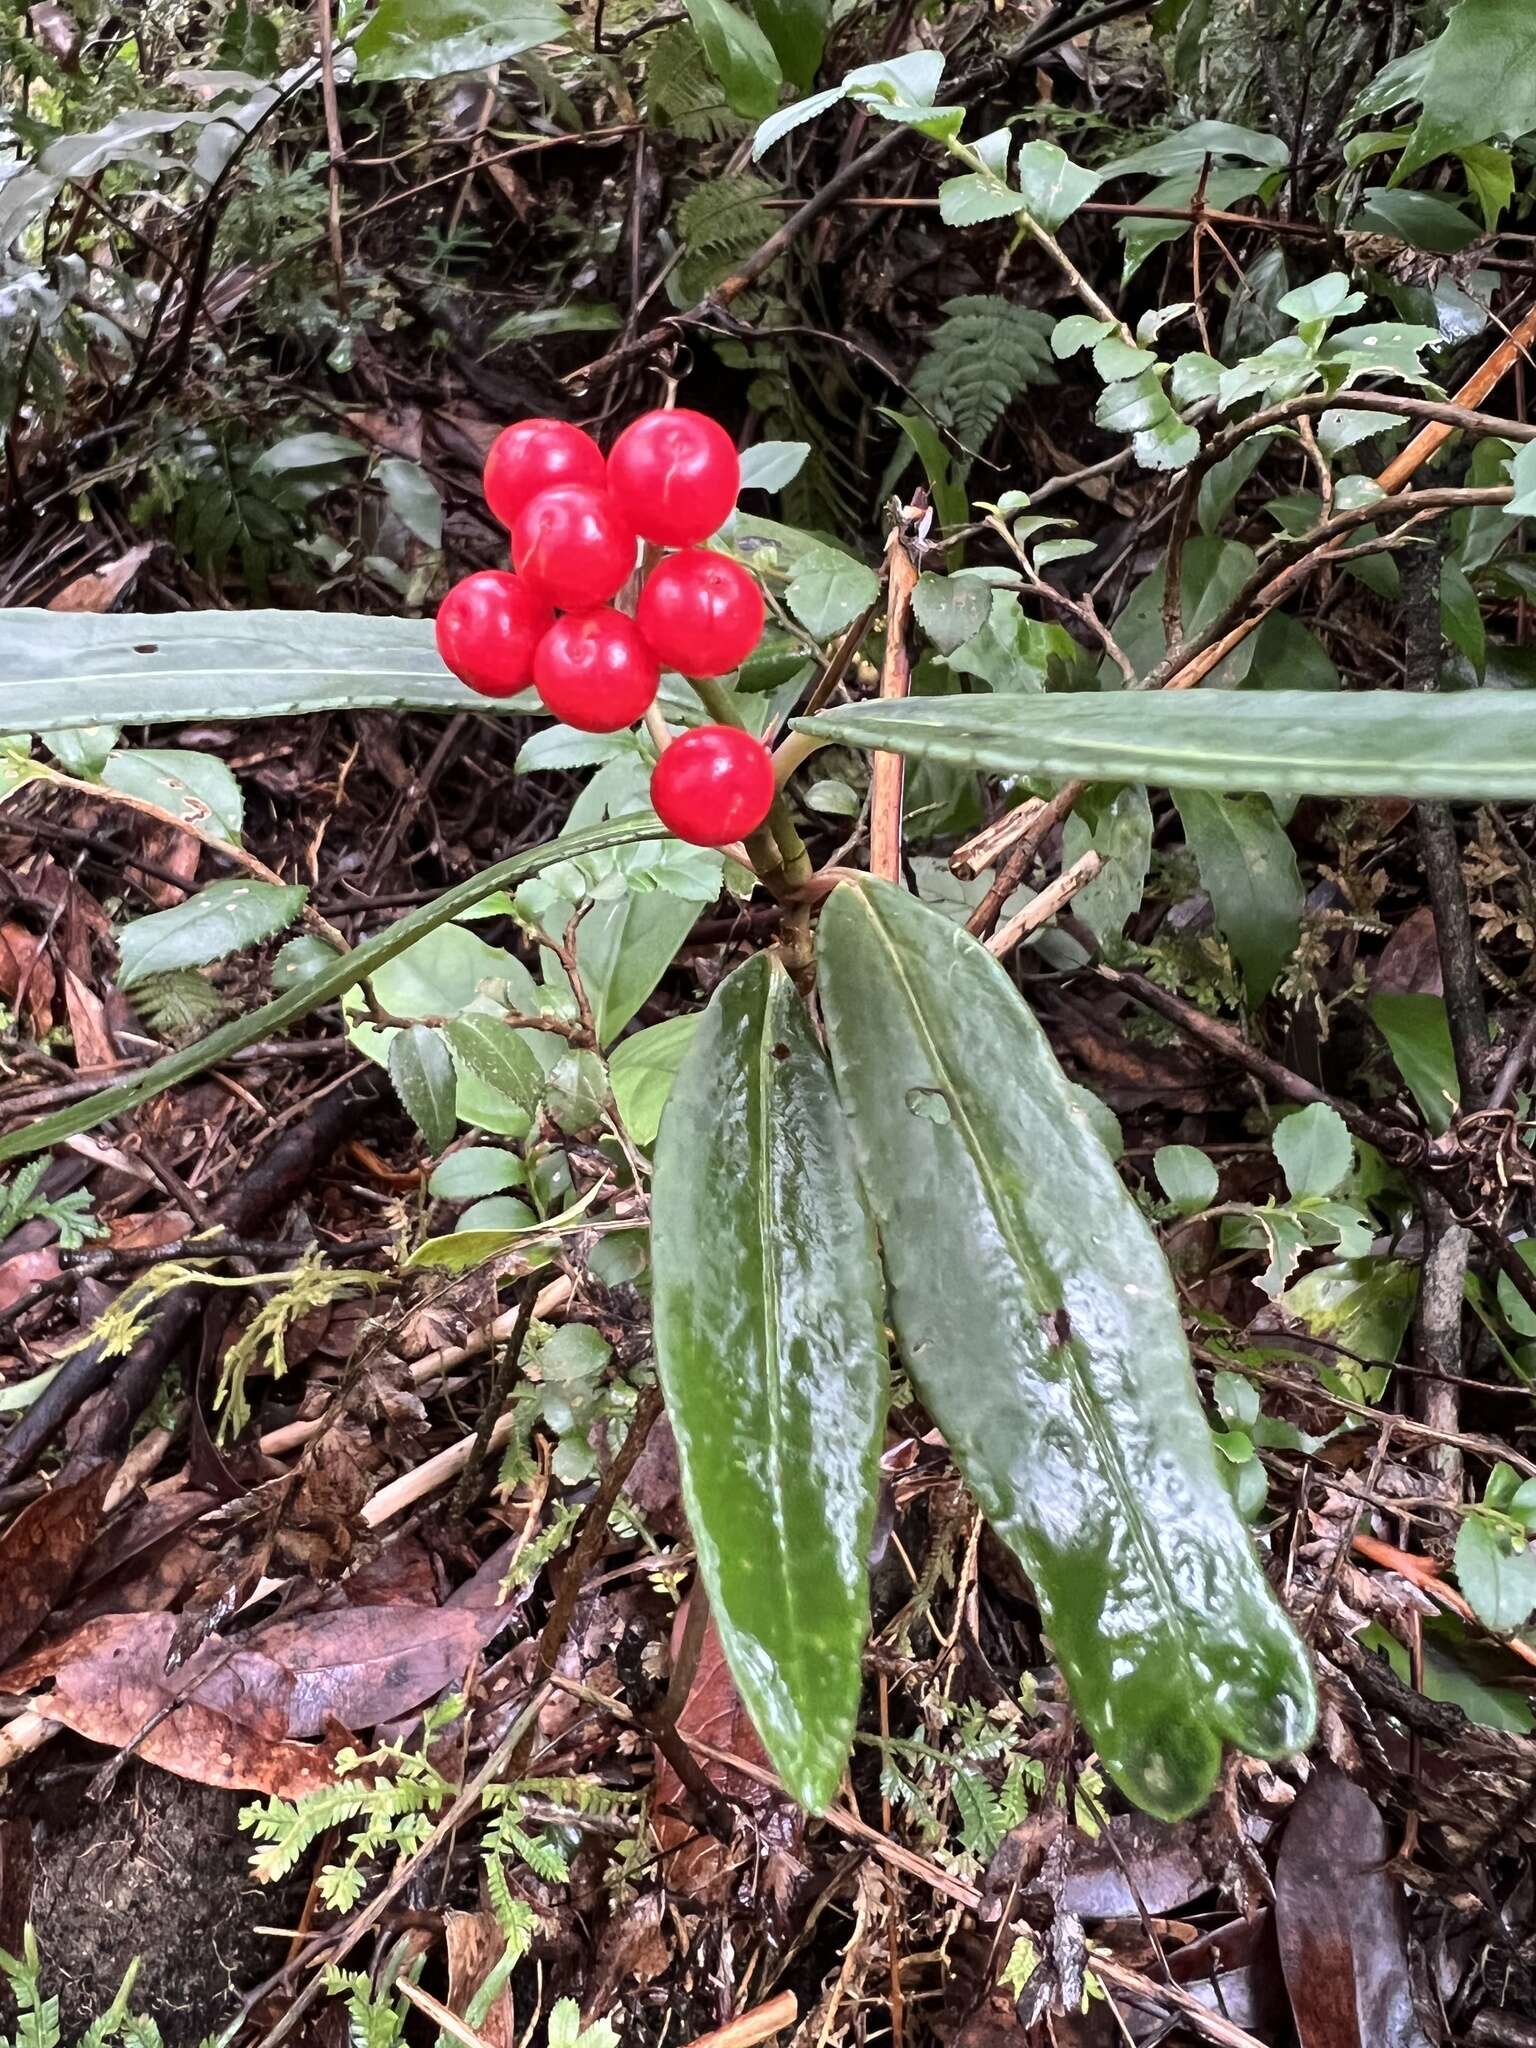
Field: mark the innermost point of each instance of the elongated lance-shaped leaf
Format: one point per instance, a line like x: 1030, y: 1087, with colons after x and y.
x: 1472, y: 744
x: 1039, y: 1324
x: 346, y: 971
x: 771, y: 1346
x: 66, y: 669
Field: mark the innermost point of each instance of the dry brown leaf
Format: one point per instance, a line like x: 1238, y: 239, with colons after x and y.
x: 43, y: 1549
x: 99, y: 591
x: 94, y: 1049
x: 24, y: 1270
x: 25, y: 966
x: 57, y: 31
x: 475, y: 1945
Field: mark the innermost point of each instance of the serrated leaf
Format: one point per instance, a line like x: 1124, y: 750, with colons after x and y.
x: 495, y: 1054
x: 1475, y: 80
x: 345, y: 973
x: 1053, y: 187
x: 422, y: 1071
x: 970, y: 199
x: 788, y: 119
x: 1041, y: 1329
x: 1248, y: 869
x: 436, y: 38
x: 951, y: 609
x: 829, y: 590
x: 219, y: 920
x: 73, y: 669
x: 195, y: 787
x: 771, y: 1349
x: 1474, y: 744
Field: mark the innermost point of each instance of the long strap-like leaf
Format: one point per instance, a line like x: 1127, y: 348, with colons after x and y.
x: 346, y: 972
x: 1471, y: 744
x: 62, y: 669
x: 1039, y: 1324
x: 771, y: 1347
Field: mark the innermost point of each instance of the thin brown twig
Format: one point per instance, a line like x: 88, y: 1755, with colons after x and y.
x: 887, y: 776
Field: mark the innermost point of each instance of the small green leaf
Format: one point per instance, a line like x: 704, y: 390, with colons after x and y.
x: 1115, y: 359
x: 771, y: 1349
x: 829, y: 590
x: 770, y: 465
x: 195, y: 787
x: 1188, y: 1179
x: 413, y: 498
x: 1497, y: 1574
x: 576, y: 1091
x: 1418, y: 1035
x: 787, y: 119
x: 641, y: 1071
x: 499, y: 1213
x: 1052, y: 185
x: 951, y: 609
x: 1248, y: 869
x: 967, y: 201
x: 740, y: 56
x: 495, y: 1054
x: 624, y: 947
x: 421, y: 1069
x: 1078, y: 331
x: 436, y: 38
x: 219, y: 920
x: 1041, y: 1330
x: 1314, y: 1149
x: 476, y: 1171
x: 307, y: 451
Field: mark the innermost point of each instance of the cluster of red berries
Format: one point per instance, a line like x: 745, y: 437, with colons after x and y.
x: 575, y: 521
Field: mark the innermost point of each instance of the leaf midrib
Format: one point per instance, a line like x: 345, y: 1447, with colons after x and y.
x: 1113, y: 1471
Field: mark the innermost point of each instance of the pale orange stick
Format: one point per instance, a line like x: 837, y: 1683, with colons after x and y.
x: 760, y: 2024
x: 1419, y: 1571
x: 889, y: 773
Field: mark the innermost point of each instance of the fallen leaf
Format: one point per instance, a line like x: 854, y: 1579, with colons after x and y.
x: 87, y: 1014
x: 363, y: 1665
x: 43, y: 1549
x: 475, y: 1945
x: 211, y: 1721
x: 100, y: 590
x: 631, y: 1950
x: 398, y: 432
x: 24, y: 1270
x: 1341, y: 1920
x: 1409, y: 963
x: 25, y: 966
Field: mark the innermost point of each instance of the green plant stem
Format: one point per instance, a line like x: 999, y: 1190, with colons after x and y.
x: 1100, y: 308
x: 345, y: 973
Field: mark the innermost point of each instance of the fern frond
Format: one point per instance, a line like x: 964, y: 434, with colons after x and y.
x: 682, y: 93
x: 179, y: 1005
x: 983, y: 354
x: 718, y: 223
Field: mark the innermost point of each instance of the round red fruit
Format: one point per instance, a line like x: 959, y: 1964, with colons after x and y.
x: 675, y: 475
x: 574, y: 546
x: 534, y: 456
x: 487, y: 629
x: 594, y: 671
x: 712, y: 785
x: 702, y: 613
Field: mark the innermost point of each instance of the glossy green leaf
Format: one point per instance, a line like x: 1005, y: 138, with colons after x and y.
x: 1473, y: 744
x: 436, y: 38
x: 421, y: 1068
x: 478, y: 1170
x: 624, y: 947
x: 1248, y: 869
x: 771, y: 1349
x: 1417, y: 1029
x: 1475, y: 80
x: 344, y: 973
x: 71, y: 669
x: 1497, y: 1573
x: 739, y: 54
x: 797, y: 30
x: 1314, y: 1149
x: 1040, y: 1327
x: 218, y: 920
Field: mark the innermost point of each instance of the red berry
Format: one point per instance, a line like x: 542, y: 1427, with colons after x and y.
x: 594, y: 671
x: 712, y: 785
x: 534, y: 456
x: 702, y: 613
x: 675, y: 475
x: 487, y: 629
x: 574, y: 546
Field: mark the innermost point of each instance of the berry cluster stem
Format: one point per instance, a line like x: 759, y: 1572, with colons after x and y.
x: 777, y: 851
